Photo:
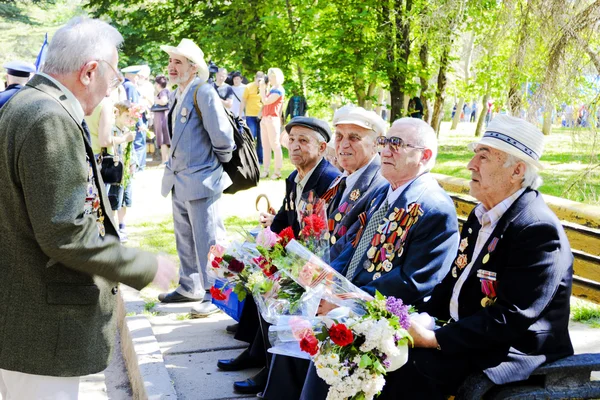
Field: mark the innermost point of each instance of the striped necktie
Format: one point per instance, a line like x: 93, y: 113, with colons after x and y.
x: 365, y: 240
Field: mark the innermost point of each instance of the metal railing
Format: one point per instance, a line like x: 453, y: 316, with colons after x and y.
x: 581, y: 223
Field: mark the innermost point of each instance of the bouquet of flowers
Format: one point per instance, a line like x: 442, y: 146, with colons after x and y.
x: 312, y: 273
x: 351, y: 353
x: 135, y: 112
x: 312, y: 213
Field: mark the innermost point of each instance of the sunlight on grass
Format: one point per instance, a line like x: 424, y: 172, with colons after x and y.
x: 585, y: 312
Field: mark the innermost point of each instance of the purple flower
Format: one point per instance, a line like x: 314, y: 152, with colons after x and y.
x: 396, y: 307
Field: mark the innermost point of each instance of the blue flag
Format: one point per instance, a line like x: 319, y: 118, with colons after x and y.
x: 41, y: 58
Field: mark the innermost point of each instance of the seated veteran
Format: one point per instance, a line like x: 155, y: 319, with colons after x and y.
x: 356, y: 132
x: 507, y: 295
x: 405, y: 242
x: 308, y: 139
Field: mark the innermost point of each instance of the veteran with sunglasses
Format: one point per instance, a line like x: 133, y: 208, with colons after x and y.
x: 405, y: 242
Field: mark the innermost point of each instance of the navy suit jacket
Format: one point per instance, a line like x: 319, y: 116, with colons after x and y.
x: 528, y: 323
x: 427, y: 252
x: 319, y: 182
x: 10, y: 91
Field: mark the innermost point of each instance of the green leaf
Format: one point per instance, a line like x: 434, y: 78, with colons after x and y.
x: 378, y: 367
x: 365, y: 361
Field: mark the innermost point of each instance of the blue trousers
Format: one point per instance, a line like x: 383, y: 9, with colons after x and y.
x: 254, y: 125
x: 198, y: 225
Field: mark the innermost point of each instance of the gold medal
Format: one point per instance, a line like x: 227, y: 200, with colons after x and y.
x: 486, y: 302
x: 326, y: 236
x: 454, y: 272
x: 338, y: 217
x: 486, y: 258
x: 371, y: 268
x: 332, y: 240
x: 371, y: 252
x: 376, y: 276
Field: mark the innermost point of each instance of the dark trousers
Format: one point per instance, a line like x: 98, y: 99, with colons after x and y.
x: 428, y: 374
x: 249, y: 330
x: 254, y: 125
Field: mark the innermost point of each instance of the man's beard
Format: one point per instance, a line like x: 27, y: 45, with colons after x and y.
x: 180, y: 78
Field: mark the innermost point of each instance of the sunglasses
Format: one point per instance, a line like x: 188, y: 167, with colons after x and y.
x: 395, y: 143
x: 117, y: 80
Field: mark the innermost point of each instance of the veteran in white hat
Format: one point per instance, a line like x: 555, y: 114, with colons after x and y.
x: 356, y: 132
x: 202, y: 141
x: 507, y: 159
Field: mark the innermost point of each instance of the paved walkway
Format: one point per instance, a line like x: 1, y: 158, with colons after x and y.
x: 190, y: 348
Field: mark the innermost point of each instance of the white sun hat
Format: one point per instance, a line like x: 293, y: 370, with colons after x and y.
x: 514, y: 136
x: 353, y: 115
x: 188, y: 49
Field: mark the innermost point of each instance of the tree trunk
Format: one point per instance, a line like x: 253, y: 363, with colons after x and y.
x: 514, y: 90
x: 483, y: 113
x: 547, y: 127
x: 456, y: 118
x: 424, y: 79
x: 397, y: 97
x: 440, y: 93
x: 398, y: 52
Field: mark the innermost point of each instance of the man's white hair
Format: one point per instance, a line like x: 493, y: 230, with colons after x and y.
x: 425, y: 137
x: 531, y: 178
x: 80, y: 41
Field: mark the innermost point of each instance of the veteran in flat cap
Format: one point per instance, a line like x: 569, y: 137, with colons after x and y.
x: 17, y: 75
x: 507, y: 294
x: 356, y: 132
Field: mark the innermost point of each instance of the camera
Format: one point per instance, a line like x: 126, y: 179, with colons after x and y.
x: 264, y: 79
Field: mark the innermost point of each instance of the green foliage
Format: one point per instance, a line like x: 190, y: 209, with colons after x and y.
x: 586, y: 313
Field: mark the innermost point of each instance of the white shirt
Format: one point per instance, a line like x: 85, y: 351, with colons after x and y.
x: 393, y: 195
x: 72, y: 101
x: 488, y: 220
x: 239, y: 92
x: 300, y: 184
x: 179, y: 96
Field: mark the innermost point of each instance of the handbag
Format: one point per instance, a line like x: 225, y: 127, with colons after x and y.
x: 157, y: 108
x: 111, y: 168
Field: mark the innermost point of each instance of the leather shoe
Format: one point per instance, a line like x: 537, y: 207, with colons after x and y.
x: 175, y: 297
x: 253, y: 385
x: 243, y: 361
x: 232, y: 328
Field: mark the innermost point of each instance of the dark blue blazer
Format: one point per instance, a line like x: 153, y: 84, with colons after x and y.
x: 528, y: 323
x: 319, y: 182
x: 428, y: 249
x: 10, y: 91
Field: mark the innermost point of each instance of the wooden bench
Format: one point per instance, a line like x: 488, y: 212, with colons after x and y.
x: 566, y: 378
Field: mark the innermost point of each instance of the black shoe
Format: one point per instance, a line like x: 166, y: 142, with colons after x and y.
x: 243, y: 361
x: 253, y: 385
x: 232, y: 328
x: 175, y: 297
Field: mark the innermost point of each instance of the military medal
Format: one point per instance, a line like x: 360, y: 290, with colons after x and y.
x: 461, y: 261
x: 486, y: 258
x: 184, y: 112
x: 488, y: 286
x: 387, y: 265
x: 332, y: 240
x: 491, y: 248
x: 377, y: 276
x: 463, y: 244
x: 338, y: 217
x: 354, y: 195
x: 470, y: 230
x: 454, y: 272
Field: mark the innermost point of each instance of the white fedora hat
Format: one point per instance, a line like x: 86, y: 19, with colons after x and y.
x: 514, y: 136
x: 353, y: 115
x: 188, y: 49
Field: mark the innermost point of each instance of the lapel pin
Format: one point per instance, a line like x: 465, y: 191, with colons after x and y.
x: 184, y: 111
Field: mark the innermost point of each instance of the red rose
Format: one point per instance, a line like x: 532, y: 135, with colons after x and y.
x: 235, y: 266
x: 287, y: 235
x: 341, y: 335
x: 309, y: 344
x: 313, y: 225
x: 217, y: 294
x: 215, y: 264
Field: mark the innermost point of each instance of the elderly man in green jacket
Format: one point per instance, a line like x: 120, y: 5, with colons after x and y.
x: 60, y: 255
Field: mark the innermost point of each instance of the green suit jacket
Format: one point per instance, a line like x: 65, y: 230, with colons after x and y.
x: 58, y: 274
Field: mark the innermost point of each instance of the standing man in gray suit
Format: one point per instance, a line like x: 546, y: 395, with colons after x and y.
x: 60, y: 254
x: 200, y: 142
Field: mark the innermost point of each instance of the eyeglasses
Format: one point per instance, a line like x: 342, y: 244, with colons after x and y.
x: 395, y: 144
x: 117, y: 80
